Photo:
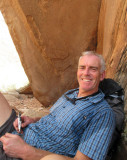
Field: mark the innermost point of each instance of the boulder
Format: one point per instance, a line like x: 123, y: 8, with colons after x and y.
x: 112, y: 40
x: 49, y: 37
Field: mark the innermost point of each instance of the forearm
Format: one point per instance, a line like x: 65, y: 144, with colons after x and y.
x: 54, y: 156
x: 32, y: 153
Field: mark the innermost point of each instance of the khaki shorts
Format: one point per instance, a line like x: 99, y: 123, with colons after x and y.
x: 7, y: 127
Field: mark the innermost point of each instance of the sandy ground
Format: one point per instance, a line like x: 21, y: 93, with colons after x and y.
x: 26, y: 104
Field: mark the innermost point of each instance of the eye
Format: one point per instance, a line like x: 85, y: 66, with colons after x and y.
x: 81, y: 67
x: 94, y: 68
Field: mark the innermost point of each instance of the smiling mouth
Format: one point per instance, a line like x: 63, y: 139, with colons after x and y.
x: 86, y: 80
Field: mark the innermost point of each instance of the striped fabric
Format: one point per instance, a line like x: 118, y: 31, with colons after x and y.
x: 84, y: 124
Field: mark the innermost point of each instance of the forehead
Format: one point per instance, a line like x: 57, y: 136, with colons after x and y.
x: 90, y: 60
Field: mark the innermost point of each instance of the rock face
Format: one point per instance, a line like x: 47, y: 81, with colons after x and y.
x: 112, y: 40
x: 50, y: 36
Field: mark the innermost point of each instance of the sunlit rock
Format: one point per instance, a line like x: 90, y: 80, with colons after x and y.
x: 49, y: 37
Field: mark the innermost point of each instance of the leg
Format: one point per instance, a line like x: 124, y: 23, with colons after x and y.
x: 8, y: 116
x: 5, y: 110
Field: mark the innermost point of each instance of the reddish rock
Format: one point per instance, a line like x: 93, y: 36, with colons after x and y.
x: 112, y: 40
x: 49, y: 37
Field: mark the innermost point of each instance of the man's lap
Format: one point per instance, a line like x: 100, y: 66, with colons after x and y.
x: 7, y: 127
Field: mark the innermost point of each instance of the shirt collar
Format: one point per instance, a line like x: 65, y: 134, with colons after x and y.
x: 72, y: 96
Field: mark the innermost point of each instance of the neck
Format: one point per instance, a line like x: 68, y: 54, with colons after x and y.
x: 85, y: 94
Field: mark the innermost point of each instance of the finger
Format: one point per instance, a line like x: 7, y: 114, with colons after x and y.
x: 15, y: 124
x: 25, y: 121
x: 24, y: 124
x: 10, y: 135
x: 3, y: 139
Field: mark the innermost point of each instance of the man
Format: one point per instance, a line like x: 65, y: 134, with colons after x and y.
x: 80, y: 124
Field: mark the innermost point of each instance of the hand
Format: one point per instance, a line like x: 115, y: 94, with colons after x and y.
x: 13, y: 145
x: 25, y: 122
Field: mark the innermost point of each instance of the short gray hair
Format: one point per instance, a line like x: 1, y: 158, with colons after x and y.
x: 102, y: 61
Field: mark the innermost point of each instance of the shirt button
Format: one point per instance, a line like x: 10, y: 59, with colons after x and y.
x: 84, y: 117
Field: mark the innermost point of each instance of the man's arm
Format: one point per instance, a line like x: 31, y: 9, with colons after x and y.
x: 38, y: 154
x: 14, y: 146
x: 79, y: 156
x: 32, y: 153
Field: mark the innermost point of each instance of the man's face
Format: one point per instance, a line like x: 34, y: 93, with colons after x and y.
x: 89, y: 75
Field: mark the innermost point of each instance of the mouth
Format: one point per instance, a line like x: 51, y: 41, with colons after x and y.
x: 86, y: 80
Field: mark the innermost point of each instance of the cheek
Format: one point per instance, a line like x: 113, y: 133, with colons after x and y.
x: 96, y: 77
x: 78, y: 74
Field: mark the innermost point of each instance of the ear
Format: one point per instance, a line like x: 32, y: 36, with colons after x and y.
x: 102, y: 76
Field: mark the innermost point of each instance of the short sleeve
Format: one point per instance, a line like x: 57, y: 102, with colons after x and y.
x: 97, y: 136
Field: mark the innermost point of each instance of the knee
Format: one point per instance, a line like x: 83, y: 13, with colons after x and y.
x: 53, y: 157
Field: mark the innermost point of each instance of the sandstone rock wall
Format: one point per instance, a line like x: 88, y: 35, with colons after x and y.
x: 49, y: 37
x: 112, y: 40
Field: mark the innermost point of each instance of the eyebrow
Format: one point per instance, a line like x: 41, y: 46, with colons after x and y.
x: 82, y: 66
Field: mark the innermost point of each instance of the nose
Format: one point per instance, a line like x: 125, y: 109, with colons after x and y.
x: 86, y: 71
